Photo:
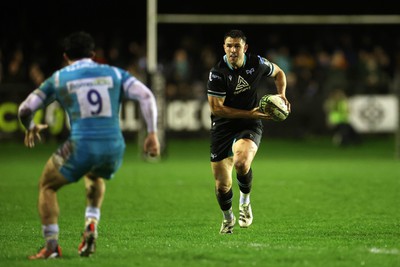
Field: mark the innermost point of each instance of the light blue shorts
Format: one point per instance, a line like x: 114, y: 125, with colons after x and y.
x: 102, y: 158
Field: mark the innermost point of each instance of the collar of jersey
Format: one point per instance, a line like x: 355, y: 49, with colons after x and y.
x: 83, y: 60
x: 230, y: 66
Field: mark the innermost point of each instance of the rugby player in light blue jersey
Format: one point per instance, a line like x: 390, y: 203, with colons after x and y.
x: 91, y: 94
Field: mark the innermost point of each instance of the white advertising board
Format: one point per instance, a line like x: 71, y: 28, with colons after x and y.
x: 374, y: 113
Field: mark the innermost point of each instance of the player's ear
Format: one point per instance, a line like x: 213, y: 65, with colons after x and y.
x: 245, y: 47
x: 93, y: 54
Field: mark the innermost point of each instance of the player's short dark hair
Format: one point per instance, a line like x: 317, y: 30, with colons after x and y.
x: 235, y: 34
x: 79, y: 45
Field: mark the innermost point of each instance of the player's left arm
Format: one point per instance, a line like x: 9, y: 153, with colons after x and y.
x: 280, y: 82
x: 136, y: 90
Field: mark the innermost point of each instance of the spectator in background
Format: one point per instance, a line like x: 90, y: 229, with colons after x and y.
x: 1, y: 66
x: 100, y: 56
x: 372, y: 77
x: 114, y: 56
x: 395, y: 84
x: 336, y: 74
x: 16, y: 69
x: 337, y: 111
x: 179, y: 75
x: 208, y: 59
x: 137, y: 60
x: 36, y: 75
x: 282, y: 58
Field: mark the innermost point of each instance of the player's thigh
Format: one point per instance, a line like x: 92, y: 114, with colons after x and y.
x: 246, y: 145
x: 51, y: 176
x: 244, y: 150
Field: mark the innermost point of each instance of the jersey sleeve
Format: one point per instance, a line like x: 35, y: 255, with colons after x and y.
x: 215, y: 84
x: 266, y: 65
x: 46, y: 90
x: 36, y: 100
x: 136, y: 90
x: 124, y: 75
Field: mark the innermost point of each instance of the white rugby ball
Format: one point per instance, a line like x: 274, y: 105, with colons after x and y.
x: 275, y: 106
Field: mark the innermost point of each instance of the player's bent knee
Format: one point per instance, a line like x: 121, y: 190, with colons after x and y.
x: 242, y: 166
x: 223, y: 189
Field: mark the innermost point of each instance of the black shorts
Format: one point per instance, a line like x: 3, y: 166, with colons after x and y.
x: 222, y: 140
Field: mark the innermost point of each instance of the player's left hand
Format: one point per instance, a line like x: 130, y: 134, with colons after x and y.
x: 286, y: 101
x: 32, y: 134
x: 151, y: 145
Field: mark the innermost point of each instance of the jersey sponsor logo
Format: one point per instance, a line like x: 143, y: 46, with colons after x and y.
x: 241, y: 86
x: 90, y: 82
x: 265, y: 61
x: 214, y: 76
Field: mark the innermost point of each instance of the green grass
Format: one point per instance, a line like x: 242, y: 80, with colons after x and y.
x: 314, y: 205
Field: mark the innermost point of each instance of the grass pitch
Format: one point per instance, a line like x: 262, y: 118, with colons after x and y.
x: 313, y: 204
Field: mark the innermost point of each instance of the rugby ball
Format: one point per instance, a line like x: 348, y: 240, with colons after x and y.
x: 275, y: 106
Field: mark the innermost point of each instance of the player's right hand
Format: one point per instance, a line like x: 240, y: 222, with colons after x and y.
x: 260, y: 115
x: 34, y: 133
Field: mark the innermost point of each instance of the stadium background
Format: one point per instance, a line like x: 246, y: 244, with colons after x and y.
x: 314, y: 204
x: 358, y: 58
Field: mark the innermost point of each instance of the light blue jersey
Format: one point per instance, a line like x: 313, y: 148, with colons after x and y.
x: 91, y: 94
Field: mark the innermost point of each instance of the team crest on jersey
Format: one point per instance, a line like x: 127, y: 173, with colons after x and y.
x: 241, y: 86
x: 250, y: 71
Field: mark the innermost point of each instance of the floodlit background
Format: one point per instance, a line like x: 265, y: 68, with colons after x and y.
x: 323, y: 61
x: 320, y: 198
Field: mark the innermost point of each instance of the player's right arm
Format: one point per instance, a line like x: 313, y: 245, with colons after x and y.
x: 216, y: 97
x: 26, y: 111
x: 218, y: 109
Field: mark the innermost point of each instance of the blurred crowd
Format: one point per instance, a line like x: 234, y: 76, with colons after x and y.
x: 354, y: 64
x: 311, y: 70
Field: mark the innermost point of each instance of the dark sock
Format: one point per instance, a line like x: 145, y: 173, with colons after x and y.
x: 244, y: 181
x: 224, y: 199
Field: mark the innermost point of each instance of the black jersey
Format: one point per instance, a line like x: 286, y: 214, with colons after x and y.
x: 238, y: 86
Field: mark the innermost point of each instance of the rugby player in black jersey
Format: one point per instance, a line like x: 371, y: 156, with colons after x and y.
x: 236, y: 122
